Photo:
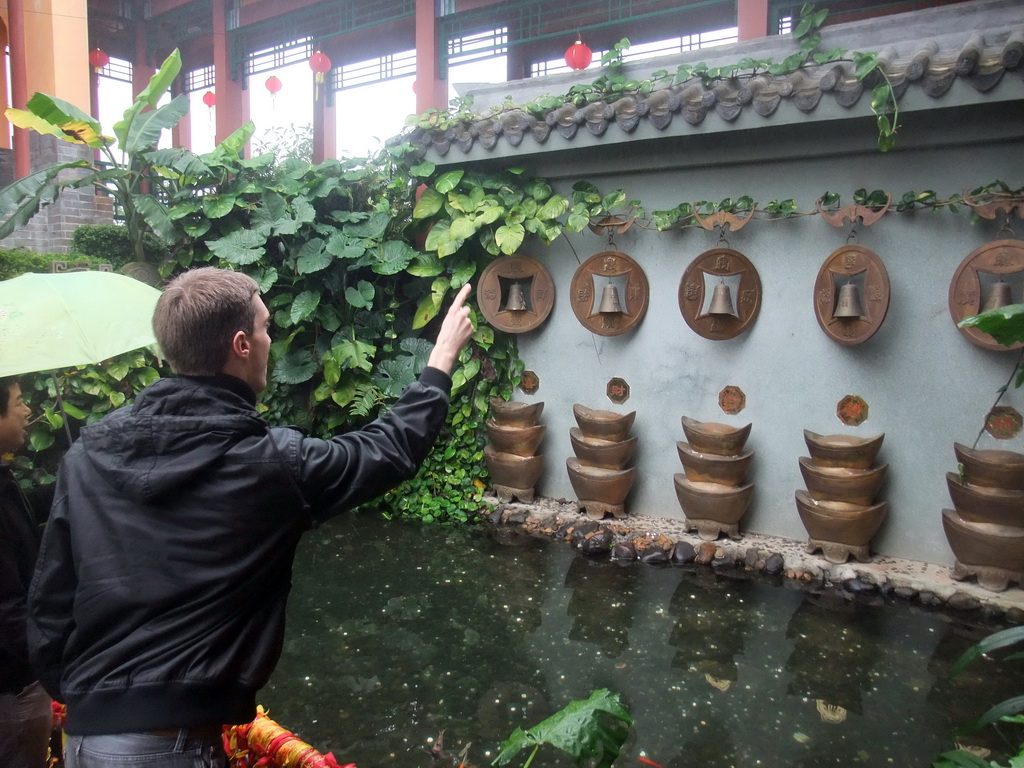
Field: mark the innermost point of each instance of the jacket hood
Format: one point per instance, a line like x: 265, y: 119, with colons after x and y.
x: 147, y: 451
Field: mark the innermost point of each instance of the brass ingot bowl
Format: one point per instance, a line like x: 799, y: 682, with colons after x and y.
x: 605, y: 425
x: 711, y: 468
x: 854, y: 486
x: 598, y: 483
x: 984, y: 545
x: 842, y: 450
x: 853, y: 525
x: 513, y: 471
x: 712, y: 501
x: 712, y: 437
x: 994, y: 468
x: 595, y: 452
x: 981, y: 504
x: 510, y: 414
x: 522, y: 441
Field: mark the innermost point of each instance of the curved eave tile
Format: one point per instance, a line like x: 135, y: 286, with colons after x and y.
x: 928, y: 67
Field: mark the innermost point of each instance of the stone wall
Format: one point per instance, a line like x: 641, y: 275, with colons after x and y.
x: 50, y: 230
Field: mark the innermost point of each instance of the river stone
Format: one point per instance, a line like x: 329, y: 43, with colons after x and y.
x: 683, y: 552
x: 517, y: 517
x: 929, y: 598
x: 600, y: 543
x: 656, y: 556
x: 961, y: 601
x: 723, y: 559
x: 495, y: 517
x: 706, y: 552
x: 907, y: 593
x: 623, y: 551
x: 858, y: 586
x: 774, y: 565
x: 583, y: 529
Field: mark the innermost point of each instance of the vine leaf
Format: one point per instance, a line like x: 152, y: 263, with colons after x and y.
x: 1004, y: 324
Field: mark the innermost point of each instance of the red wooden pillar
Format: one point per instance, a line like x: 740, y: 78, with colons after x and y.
x: 751, y: 19
x: 232, y: 104
x: 19, y: 82
x: 431, y: 91
x: 325, y: 125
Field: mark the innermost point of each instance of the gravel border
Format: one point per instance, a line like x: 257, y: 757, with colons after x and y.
x: 658, y: 540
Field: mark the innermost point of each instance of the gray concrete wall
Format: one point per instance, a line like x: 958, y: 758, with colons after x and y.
x: 926, y: 385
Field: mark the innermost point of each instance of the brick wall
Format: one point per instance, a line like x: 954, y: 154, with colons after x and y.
x: 49, y: 231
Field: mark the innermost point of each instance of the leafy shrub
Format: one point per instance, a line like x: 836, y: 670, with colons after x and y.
x: 18, y: 261
x: 111, y: 243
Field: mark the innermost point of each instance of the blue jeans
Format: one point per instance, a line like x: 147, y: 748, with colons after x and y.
x: 143, y: 750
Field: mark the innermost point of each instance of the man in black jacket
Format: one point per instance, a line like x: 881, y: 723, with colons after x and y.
x: 25, y: 716
x: 157, y: 609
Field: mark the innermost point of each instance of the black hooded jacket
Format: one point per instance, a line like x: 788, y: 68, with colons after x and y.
x: 159, y: 597
x: 19, y: 542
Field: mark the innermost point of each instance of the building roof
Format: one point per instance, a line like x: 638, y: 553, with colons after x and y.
x: 948, y: 56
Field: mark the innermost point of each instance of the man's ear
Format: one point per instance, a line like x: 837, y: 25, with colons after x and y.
x: 240, y: 345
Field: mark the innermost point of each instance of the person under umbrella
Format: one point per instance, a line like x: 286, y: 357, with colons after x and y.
x: 26, y: 719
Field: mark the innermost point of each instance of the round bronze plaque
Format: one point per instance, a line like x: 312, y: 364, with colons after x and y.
x: 852, y: 265
x: 524, y: 280
x: 723, y: 263
x: 1003, y: 257
x: 609, y: 293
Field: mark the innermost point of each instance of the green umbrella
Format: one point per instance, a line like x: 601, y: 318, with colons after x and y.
x: 49, y: 322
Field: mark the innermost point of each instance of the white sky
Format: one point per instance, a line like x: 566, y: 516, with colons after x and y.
x: 367, y: 115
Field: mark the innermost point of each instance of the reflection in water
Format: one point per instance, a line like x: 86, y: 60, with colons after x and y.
x: 398, y: 632
x: 832, y: 655
x: 600, y: 606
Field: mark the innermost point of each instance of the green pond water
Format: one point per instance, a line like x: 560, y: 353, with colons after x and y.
x: 399, y: 631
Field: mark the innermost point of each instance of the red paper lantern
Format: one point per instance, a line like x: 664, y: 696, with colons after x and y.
x: 578, y: 56
x: 273, y: 84
x: 98, y: 59
x: 320, y: 64
x: 210, y: 99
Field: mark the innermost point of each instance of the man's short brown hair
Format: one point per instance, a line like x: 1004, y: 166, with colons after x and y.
x: 198, y: 315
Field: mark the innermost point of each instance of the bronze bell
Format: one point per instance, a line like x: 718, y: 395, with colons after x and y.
x: 610, y: 300
x: 849, y: 302
x: 1001, y: 295
x: 721, y: 301
x: 516, y: 302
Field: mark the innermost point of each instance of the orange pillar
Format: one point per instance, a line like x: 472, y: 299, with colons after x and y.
x: 751, y: 19
x: 431, y: 91
x: 19, y: 82
x: 5, y: 127
x: 232, y: 104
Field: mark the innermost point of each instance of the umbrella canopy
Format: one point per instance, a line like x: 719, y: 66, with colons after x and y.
x: 53, y: 321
